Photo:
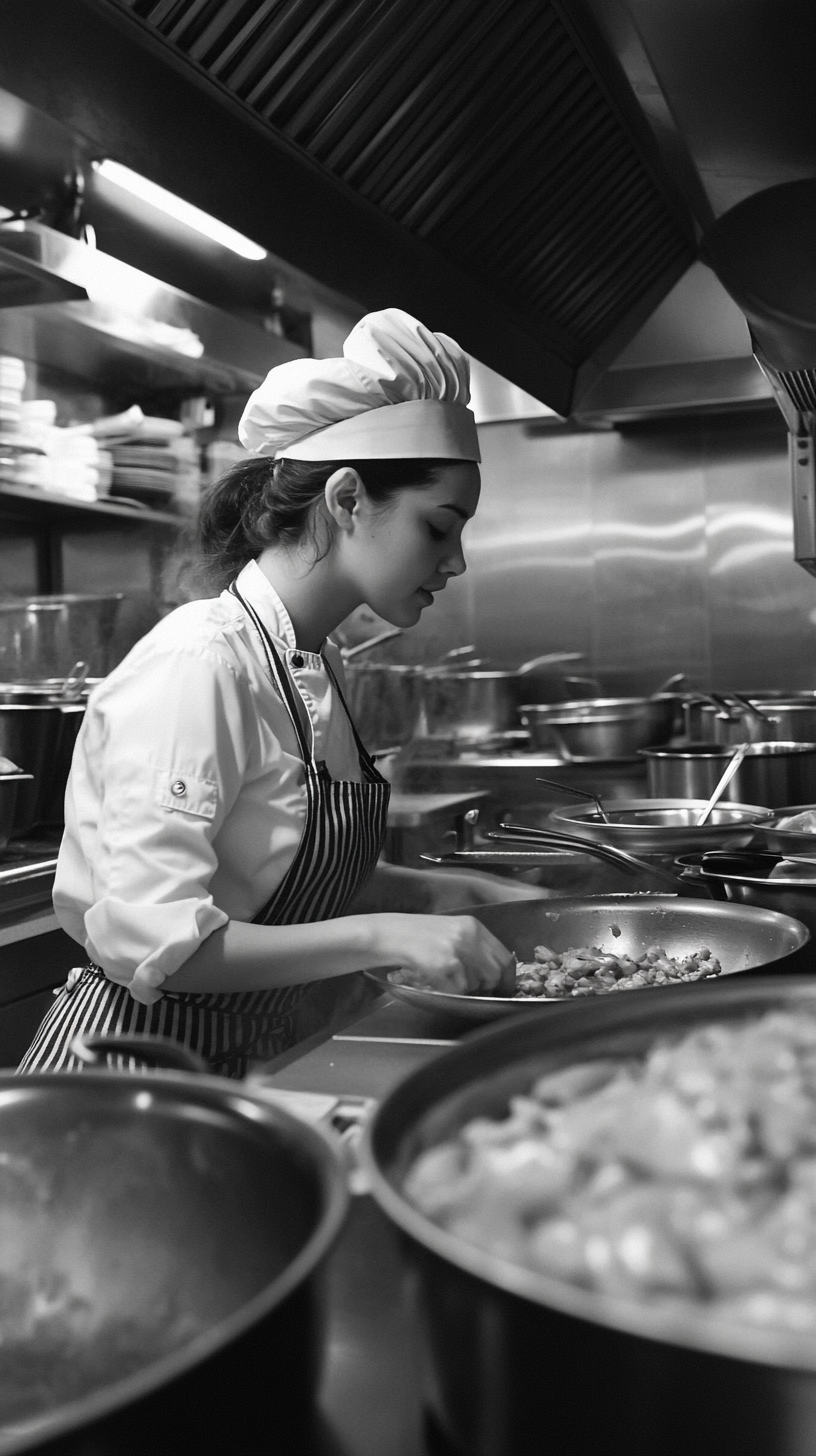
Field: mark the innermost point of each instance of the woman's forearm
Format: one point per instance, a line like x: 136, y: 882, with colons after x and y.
x: 247, y: 957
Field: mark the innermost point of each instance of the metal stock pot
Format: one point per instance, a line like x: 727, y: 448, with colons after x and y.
x: 583, y: 729
x: 524, y: 1363
x: 473, y: 702
x: 43, y: 636
x: 161, y: 1235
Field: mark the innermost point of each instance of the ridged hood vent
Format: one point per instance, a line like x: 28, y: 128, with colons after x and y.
x: 479, y: 128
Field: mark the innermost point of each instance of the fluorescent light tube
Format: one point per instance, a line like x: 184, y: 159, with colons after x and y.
x: 177, y: 208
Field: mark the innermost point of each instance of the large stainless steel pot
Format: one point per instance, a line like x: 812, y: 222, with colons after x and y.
x: 44, y: 636
x: 474, y: 702
x: 384, y: 701
x: 690, y: 772
x: 170, y: 1226
x: 790, y: 719
x: 524, y: 1363
x: 776, y: 774
x: 585, y: 729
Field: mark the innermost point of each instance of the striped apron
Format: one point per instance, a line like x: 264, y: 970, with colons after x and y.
x: 342, y: 838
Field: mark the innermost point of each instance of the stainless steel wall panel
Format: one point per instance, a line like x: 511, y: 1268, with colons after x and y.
x: 663, y: 548
x: 530, y: 546
x: 648, y: 508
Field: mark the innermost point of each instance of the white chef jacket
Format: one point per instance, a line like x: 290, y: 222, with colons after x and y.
x: 186, y: 799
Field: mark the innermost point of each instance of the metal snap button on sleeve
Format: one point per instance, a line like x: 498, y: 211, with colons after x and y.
x: 178, y: 788
x: 297, y: 660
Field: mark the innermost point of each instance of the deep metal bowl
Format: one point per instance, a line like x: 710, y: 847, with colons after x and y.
x: 742, y: 939
x: 787, y: 841
x: 661, y: 826
x: 525, y: 1363
x: 586, y: 729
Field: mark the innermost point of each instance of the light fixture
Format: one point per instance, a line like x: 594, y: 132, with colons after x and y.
x: 177, y: 208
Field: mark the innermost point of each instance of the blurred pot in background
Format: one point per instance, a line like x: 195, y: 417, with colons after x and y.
x: 690, y: 772
x: 598, y: 728
x: 471, y: 702
x: 384, y: 702
x: 30, y: 737
x: 775, y: 774
x: 43, y: 636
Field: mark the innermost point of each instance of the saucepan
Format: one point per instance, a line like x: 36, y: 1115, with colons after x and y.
x: 523, y: 1362
x: 162, y: 1233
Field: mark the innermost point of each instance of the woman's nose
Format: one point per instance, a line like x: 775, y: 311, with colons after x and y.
x: 454, y: 563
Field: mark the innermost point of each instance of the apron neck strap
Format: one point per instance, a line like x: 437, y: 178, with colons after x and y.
x: 280, y: 676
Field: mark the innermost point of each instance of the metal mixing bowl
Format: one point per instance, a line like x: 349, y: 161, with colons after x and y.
x: 787, y: 841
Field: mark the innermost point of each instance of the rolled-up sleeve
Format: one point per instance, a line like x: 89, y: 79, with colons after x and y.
x: 167, y: 756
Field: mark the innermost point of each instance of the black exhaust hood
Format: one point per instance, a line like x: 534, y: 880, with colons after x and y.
x: 484, y: 166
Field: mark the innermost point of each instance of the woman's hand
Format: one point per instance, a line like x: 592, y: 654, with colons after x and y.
x: 445, y: 953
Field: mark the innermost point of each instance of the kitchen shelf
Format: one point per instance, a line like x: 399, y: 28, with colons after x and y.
x: 130, y: 335
x: 55, y: 512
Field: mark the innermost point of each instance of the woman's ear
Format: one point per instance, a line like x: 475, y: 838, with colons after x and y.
x: 343, y: 493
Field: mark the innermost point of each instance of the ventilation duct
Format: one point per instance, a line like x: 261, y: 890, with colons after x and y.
x: 764, y: 253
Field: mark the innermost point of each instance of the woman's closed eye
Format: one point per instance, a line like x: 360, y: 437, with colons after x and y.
x: 437, y: 533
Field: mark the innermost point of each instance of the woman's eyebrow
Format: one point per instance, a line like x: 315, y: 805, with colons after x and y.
x: 457, y: 509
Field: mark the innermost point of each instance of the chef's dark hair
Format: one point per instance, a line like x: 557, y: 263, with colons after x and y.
x: 261, y: 502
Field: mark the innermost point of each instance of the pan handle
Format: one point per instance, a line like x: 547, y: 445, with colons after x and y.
x: 553, y: 839
x: 164, y: 1053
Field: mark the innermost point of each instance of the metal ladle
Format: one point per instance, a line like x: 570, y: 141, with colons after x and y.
x: 738, y: 756
x: 581, y: 794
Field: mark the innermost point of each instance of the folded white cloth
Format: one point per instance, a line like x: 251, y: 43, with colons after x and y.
x: 399, y: 391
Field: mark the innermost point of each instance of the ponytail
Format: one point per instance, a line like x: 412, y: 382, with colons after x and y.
x: 262, y: 502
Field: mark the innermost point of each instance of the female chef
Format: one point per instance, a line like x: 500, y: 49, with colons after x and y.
x: 222, y: 818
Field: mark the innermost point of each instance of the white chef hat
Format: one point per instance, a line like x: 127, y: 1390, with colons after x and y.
x: 399, y: 392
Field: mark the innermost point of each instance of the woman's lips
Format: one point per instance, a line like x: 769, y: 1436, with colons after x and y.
x: 427, y: 596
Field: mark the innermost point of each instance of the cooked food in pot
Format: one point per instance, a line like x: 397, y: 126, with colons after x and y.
x: 687, y: 1175
x: 590, y: 971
